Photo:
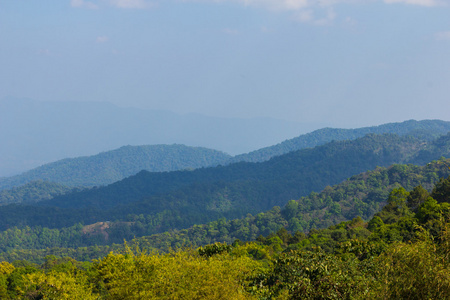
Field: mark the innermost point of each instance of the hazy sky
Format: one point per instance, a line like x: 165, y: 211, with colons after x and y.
x: 350, y: 63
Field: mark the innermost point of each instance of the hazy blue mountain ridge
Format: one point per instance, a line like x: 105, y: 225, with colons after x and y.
x: 425, y: 129
x: 108, y: 167
x: 34, y: 133
x: 111, y: 166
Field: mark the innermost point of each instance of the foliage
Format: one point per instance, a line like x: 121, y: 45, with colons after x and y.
x: 361, y: 195
x: 177, y: 275
x: 317, y: 275
x: 184, y: 198
x: 406, y: 256
x: 213, y: 249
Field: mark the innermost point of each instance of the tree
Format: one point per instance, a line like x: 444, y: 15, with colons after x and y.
x: 441, y: 191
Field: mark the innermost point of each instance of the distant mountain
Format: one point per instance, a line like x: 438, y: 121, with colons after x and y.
x: 426, y: 130
x: 33, y: 133
x: 182, y: 198
x: 111, y: 166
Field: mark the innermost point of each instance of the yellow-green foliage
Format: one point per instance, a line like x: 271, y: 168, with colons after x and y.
x: 254, y: 250
x: 6, y: 268
x: 317, y: 275
x: 419, y: 270
x: 178, y: 275
x: 60, y: 286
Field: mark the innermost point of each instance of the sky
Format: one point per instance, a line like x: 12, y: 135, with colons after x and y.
x: 347, y: 63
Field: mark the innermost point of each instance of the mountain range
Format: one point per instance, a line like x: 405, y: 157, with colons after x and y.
x: 149, y: 203
x: 181, y: 199
x: 426, y: 130
x: 360, y: 195
x: 108, y: 167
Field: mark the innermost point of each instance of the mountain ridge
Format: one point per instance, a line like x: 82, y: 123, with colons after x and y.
x: 181, y: 198
x: 108, y: 167
x: 108, y: 173
x: 37, y: 132
x: 424, y: 129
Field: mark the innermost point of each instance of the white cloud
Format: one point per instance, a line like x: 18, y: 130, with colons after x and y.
x: 139, y: 4
x: 287, y: 5
x: 130, y: 3
x: 428, y: 3
x: 290, y: 4
x: 319, y: 12
x: 83, y: 4
x: 296, y: 5
x: 316, y: 12
x: 442, y: 36
x: 270, y: 4
x: 101, y: 39
x: 327, y: 16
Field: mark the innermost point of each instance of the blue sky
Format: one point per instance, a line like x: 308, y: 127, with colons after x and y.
x: 347, y: 63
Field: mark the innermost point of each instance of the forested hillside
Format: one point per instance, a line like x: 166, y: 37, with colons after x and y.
x: 400, y: 253
x: 361, y: 195
x: 183, y: 198
x: 150, y: 203
x: 194, y: 202
x: 426, y: 130
x: 112, y: 166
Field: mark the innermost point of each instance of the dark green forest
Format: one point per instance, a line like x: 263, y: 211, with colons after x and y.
x: 150, y: 203
x: 361, y: 195
x: 399, y: 253
x: 208, y: 194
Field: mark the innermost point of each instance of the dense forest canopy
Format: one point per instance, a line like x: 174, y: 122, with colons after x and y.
x: 301, y: 224
x: 400, y: 253
x: 183, y: 198
x: 151, y: 203
x: 361, y: 195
